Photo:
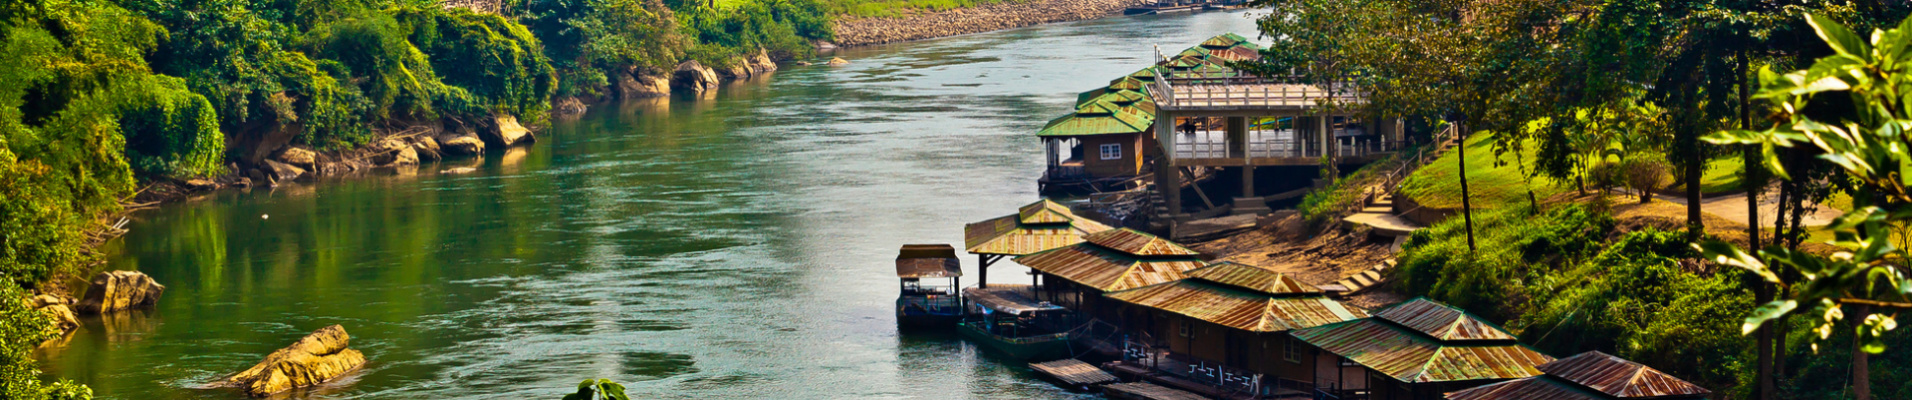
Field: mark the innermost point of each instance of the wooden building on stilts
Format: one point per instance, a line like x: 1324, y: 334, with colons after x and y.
x: 1418, y: 350
x: 1034, y: 228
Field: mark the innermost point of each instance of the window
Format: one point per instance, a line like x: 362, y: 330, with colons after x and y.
x: 1185, y: 331
x: 1292, y: 351
x: 1112, y: 151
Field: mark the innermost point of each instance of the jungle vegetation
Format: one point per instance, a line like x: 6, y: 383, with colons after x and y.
x: 100, y: 98
x: 1584, y: 96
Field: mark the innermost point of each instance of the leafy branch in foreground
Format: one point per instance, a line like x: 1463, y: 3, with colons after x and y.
x: 1868, y: 140
x: 598, y: 389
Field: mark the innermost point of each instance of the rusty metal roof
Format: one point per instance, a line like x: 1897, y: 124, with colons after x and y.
x: 1045, y: 211
x: 1618, y: 377
x: 1074, y: 372
x: 1012, y: 299
x: 1139, y: 244
x: 1008, y: 235
x: 1108, y: 270
x: 1413, y: 357
x: 1252, y: 278
x: 1240, y: 309
x: 1443, y: 322
x: 928, y: 261
x: 1534, y: 388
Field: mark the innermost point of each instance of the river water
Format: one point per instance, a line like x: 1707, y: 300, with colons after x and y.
x: 739, y: 246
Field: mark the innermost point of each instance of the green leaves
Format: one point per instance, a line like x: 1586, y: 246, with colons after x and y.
x: 1767, y: 312
x: 598, y: 389
x: 1841, y: 39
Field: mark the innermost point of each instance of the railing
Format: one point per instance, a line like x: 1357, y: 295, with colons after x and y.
x: 1235, y: 90
x: 1201, y: 144
x: 1067, y: 172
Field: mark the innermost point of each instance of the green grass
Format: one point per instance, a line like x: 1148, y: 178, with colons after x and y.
x: 1437, y: 185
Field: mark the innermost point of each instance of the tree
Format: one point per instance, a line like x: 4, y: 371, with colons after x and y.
x: 1867, y: 141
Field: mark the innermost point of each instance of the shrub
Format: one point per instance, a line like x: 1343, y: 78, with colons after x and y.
x: 21, y: 328
x: 1645, y: 173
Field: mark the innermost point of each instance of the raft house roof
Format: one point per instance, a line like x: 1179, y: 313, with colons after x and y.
x: 1117, y: 259
x: 1010, y: 299
x: 1127, y: 107
x: 1100, y: 118
x: 1243, y: 297
x: 1588, y: 376
x: 919, y: 261
x: 1423, y: 341
x: 1036, y: 227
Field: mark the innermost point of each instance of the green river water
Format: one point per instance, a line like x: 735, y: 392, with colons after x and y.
x: 739, y: 246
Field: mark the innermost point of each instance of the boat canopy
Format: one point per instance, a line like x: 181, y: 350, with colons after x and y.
x: 1007, y: 299
x: 918, y: 261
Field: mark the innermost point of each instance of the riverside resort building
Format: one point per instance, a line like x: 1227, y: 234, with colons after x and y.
x: 1117, y: 310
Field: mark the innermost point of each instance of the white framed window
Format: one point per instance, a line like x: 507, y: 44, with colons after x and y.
x: 1186, y: 332
x: 1292, y: 351
x: 1112, y: 151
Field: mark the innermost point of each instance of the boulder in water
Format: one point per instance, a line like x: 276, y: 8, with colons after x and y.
x: 282, y: 171
x: 695, y: 77
x: 312, y: 360
x: 838, y: 61
x: 504, y: 131
x: 463, y: 145
x: 301, y: 158
x: 119, y: 290
x: 63, y: 318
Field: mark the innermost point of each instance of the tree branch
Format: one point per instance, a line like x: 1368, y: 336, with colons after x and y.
x: 1875, y: 303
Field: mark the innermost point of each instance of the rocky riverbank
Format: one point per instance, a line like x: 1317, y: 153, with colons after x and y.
x: 984, y: 18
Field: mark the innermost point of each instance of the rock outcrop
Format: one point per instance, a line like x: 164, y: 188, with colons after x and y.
x: 504, y: 131
x: 461, y: 145
x: 568, y: 105
x: 642, y: 83
x: 695, y: 77
x: 394, y: 152
x: 283, y: 172
x: 983, y: 18
x: 119, y: 290
x: 53, y: 306
x: 312, y: 360
x: 427, y: 149
x: 298, y: 157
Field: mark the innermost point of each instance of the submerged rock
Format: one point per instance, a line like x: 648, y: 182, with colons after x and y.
x: 312, y: 360
x: 836, y: 61
x: 119, y: 290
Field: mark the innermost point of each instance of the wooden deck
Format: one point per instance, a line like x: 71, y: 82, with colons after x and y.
x: 1147, y: 391
x: 1074, y: 373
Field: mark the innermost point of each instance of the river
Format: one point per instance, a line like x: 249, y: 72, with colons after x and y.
x: 739, y: 246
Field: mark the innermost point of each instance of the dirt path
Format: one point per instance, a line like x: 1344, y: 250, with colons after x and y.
x: 1733, y: 207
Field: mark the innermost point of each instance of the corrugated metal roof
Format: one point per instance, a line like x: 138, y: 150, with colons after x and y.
x: 928, y: 261
x: 1618, y: 377
x: 1045, y: 211
x: 1412, y: 357
x: 1007, y: 235
x: 1127, y: 83
x: 1239, y: 309
x: 1113, y: 123
x: 1012, y: 299
x: 1252, y: 278
x: 1444, y: 322
x: 1136, y: 243
x: 1535, y: 388
x: 1108, y: 270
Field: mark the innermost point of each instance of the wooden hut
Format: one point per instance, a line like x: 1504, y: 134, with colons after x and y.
x: 1419, y: 350
x: 1118, y: 259
x: 1589, y: 376
x: 1106, y: 140
x: 1036, y: 227
x: 1230, y: 319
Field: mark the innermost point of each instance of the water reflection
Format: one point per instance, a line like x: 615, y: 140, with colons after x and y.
x: 728, y: 246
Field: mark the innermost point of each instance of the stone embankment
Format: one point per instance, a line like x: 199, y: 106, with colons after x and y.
x: 984, y: 18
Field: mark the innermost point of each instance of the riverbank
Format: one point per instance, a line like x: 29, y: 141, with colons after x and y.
x: 989, y: 17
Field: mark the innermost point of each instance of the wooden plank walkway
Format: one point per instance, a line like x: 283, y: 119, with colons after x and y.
x: 1147, y: 391
x: 1073, y: 372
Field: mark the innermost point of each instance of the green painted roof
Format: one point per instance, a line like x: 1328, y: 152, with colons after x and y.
x: 1127, y: 83
x: 1098, y: 118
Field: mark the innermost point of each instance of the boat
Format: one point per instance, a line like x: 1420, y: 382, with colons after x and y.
x: 1007, y: 320
x: 1163, y: 7
x: 923, y: 304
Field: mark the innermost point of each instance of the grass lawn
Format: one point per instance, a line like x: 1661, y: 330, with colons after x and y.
x: 1438, y: 185
x: 1722, y: 175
